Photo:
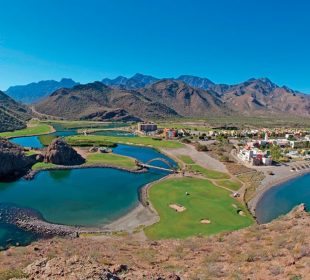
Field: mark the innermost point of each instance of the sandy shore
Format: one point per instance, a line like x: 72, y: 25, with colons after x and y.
x: 281, y: 175
x: 142, y: 215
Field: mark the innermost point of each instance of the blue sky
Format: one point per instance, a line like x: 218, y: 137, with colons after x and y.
x: 227, y: 41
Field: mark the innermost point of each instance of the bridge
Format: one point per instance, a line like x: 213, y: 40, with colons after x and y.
x: 148, y: 165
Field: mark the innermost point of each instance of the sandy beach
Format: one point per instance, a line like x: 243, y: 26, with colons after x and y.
x: 281, y: 174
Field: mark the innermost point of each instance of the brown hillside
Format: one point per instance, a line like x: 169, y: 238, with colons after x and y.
x: 279, y: 250
x: 83, y: 101
x: 12, y: 114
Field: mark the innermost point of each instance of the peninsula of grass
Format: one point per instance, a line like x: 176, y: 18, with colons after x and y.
x: 43, y: 165
x: 96, y: 159
x: 64, y: 125
x: 34, y: 128
x: 211, y: 174
x: 204, y: 202
x: 90, y: 140
x: 111, y: 160
x: 186, y: 159
x: 230, y: 184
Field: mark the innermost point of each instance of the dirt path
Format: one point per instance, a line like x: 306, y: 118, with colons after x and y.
x: 201, y: 158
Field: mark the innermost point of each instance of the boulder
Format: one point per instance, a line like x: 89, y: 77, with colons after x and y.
x: 59, y: 152
x: 13, y: 161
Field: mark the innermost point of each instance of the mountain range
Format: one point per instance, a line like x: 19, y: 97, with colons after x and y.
x: 146, y: 97
x: 13, y: 115
x: 36, y: 91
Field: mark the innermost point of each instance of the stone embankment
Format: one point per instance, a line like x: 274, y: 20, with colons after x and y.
x: 30, y: 220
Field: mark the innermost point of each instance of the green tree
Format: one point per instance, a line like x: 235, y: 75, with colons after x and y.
x: 275, y: 152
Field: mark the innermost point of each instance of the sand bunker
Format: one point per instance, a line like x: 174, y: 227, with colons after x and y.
x: 205, y: 221
x: 241, y: 213
x: 177, y: 207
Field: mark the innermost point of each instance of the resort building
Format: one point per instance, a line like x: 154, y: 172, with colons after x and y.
x: 147, y: 127
x: 170, y: 133
x: 254, y: 156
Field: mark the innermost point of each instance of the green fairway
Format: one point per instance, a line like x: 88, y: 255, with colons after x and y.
x: 145, y: 141
x: 205, y: 201
x: 186, y: 159
x: 111, y: 159
x: 211, y: 174
x: 34, y: 128
x: 230, y: 184
x: 63, y: 125
x: 43, y: 165
x: 88, y: 141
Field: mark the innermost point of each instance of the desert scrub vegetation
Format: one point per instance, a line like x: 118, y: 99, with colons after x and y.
x: 12, y: 273
x: 252, y: 181
x: 208, y: 173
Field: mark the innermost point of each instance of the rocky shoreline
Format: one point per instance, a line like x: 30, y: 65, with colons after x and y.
x: 31, y: 220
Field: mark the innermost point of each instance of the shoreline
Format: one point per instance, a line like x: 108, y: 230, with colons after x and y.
x: 32, y: 135
x: 143, y: 214
x: 266, y: 185
x: 32, y: 173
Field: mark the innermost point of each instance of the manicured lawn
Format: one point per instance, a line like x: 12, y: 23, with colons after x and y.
x: 230, y: 184
x: 145, y: 141
x: 111, y: 159
x: 84, y: 124
x: 205, y: 201
x: 211, y: 174
x: 35, y: 128
x: 42, y: 165
x: 186, y: 159
x: 88, y: 141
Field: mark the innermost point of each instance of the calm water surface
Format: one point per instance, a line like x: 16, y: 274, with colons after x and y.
x: 86, y: 197
x: 283, y: 198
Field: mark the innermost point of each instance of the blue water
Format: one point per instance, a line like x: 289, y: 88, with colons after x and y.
x: 143, y: 154
x: 283, y: 198
x: 34, y: 141
x: 29, y: 142
x: 116, y: 133
x: 11, y: 235
x: 85, y: 197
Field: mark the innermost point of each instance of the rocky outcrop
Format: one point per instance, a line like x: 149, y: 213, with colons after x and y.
x: 59, y: 152
x: 76, y: 267
x: 13, y: 161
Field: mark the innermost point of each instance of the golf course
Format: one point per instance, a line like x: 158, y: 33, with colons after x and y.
x: 208, y: 209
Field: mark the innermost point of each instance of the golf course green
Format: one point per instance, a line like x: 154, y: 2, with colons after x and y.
x: 204, y: 201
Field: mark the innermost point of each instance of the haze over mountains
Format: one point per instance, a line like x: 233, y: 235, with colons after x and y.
x: 146, y: 97
x: 36, y: 91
